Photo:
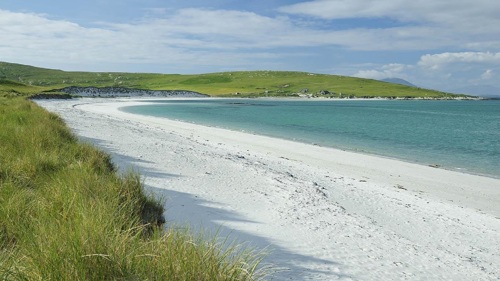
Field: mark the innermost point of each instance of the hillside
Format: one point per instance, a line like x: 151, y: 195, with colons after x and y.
x: 16, y: 88
x: 241, y: 83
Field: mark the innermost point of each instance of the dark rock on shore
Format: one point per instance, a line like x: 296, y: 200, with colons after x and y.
x: 59, y: 96
x: 110, y: 92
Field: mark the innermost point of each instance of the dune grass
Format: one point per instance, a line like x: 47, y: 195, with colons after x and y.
x: 65, y: 214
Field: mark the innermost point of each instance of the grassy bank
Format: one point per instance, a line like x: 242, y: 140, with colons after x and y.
x: 232, y: 84
x: 65, y: 214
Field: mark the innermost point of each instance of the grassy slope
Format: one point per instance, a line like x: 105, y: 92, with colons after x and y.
x: 66, y: 215
x: 247, y: 83
x: 8, y: 87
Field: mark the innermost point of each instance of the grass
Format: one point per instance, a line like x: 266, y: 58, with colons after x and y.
x: 65, y: 214
x: 11, y: 88
x: 242, y: 83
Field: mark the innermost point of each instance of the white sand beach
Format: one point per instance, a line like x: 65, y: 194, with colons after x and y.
x: 323, y: 213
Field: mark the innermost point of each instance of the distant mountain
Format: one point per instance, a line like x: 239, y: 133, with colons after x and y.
x: 486, y: 91
x: 398, y: 81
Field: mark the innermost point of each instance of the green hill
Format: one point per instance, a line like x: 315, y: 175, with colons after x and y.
x: 240, y: 83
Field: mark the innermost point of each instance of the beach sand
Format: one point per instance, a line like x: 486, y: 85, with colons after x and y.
x: 322, y: 213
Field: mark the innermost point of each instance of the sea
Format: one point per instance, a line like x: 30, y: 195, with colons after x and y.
x: 459, y: 135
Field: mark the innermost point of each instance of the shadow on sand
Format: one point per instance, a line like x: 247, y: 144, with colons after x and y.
x: 200, y: 216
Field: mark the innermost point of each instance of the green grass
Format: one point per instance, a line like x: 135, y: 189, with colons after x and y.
x: 12, y: 88
x: 242, y: 83
x: 65, y: 214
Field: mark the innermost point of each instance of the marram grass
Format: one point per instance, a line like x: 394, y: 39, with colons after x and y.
x: 65, y: 214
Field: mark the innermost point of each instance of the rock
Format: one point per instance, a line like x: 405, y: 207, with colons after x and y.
x: 50, y: 96
x: 125, y: 92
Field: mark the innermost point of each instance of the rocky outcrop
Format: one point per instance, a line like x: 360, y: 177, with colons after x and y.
x: 110, y: 92
x: 50, y: 96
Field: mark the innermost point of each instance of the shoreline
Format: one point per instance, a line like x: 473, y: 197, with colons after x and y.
x: 349, y: 158
x: 143, y: 101
x: 325, y: 213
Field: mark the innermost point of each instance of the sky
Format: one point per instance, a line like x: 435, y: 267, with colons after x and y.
x: 438, y: 44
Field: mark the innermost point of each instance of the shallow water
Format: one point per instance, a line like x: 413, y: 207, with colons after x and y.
x: 456, y: 135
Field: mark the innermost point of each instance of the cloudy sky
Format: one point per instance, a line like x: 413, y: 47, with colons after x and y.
x: 440, y: 44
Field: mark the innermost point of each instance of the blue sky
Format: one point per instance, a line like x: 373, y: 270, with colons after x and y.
x: 438, y: 44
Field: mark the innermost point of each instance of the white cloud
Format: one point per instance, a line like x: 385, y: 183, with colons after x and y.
x: 205, y: 36
x: 425, y: 24
x: 339, y: 9
x: 385, y: 71
x: 436, y: 61
x: 444, y: 71
x: 187, y: 37
x: 488, y: 74
x: 442, y: 11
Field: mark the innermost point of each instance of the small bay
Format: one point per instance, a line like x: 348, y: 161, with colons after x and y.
x: 456, y: 135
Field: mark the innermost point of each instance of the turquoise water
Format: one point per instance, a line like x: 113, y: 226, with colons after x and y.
x: 457, y: 135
